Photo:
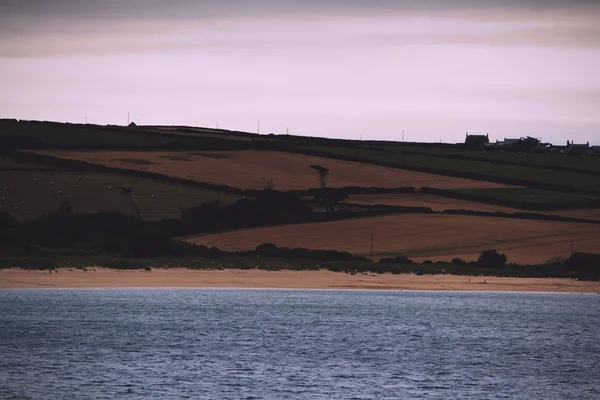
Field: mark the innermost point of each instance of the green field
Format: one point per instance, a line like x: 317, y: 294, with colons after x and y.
x: 526, y: 195
x: 542, y: 160
x: 525, y: 176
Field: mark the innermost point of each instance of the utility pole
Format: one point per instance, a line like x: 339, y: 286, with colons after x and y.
x: 258, y: 129
x: 86, y: 119
x: 371, y: 244
x: 287, y: 131
x: 127, y: 118
x: 403, y: 135
x: 571, y: 248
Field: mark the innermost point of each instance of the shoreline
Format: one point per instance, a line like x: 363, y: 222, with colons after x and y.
x: 182, y: 278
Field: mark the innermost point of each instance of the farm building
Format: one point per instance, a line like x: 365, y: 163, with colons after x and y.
x: 507, y: 143
x: 577, y: 149
x: 477, y: 141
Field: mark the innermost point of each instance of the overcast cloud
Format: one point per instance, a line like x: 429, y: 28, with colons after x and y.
x: 335, y: 68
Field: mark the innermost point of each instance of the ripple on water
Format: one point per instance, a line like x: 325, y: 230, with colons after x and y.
x: 253, y: 344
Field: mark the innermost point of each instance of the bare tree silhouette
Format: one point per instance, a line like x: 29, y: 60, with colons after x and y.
x: 323, y: 174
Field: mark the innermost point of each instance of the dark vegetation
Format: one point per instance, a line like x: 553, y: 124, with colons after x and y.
x: 116, y: 240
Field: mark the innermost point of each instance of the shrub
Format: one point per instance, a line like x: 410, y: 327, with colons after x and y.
x: 458, y: 261
x: 401, y: 259
x: 556, y: 260
x: 492, y: 258
x: 151, y: 245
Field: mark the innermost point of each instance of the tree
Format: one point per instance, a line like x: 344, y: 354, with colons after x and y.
x: 525, y: 144
x: 323, y: 173
x: 492, y: 258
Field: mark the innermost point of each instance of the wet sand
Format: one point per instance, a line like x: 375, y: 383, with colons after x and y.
x: 187, y: 278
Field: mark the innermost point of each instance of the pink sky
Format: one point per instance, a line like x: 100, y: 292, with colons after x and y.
x: 336, y: 69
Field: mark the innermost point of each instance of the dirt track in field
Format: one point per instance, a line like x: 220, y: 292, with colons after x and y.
x: 424, y: 237
x: 250, y: 169
x: 93, y: 193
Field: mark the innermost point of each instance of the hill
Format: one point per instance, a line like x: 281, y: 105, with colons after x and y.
x: 426, y: 201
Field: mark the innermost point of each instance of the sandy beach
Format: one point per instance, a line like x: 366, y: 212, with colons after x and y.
x: 187, y: 278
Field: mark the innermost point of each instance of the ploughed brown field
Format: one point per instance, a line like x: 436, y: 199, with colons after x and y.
x: 250, y: 169
x: 95, y: 192
x: 424, y: 237
x: 436, y: 203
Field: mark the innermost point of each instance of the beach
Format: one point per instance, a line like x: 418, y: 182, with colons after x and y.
x: 188, y: 278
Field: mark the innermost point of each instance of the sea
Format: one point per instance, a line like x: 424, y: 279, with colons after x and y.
x: 297, y: 344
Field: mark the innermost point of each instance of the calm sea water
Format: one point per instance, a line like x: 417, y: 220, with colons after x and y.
x: 280, y: 344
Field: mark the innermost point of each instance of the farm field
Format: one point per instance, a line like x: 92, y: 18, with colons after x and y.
x: 527, y: 195
x: 590, y: 213
x: 424, y: 237
x: 7, y: 163
x: 249, y: 169
x: 531, y: 174
x: 542, y: 160
x: 96, y: 192
x: 436, y: 203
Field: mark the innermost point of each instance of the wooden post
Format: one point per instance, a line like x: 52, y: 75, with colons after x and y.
x: 571, y: 248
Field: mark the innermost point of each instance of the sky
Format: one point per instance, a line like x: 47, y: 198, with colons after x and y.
x: 368, y: 69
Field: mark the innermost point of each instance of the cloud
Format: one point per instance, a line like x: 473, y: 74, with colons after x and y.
x: 565, y: 35
x: 68, y: 10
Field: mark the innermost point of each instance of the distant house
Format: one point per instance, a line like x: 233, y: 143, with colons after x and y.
x: 577, y: 149
x: 477, y: 141
x: 508, y: 143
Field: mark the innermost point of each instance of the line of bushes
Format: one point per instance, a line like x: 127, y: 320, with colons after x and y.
x: 580, y: 266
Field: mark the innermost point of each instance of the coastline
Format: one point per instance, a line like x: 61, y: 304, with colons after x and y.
x: 285, y: 279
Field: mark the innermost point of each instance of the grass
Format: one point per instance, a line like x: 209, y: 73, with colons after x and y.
x: 495, y: 172
x: 135, y: 161
x: 436, y: 203
x: 93, y: 193
x: 526, y: 195
x: 541, y: 160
